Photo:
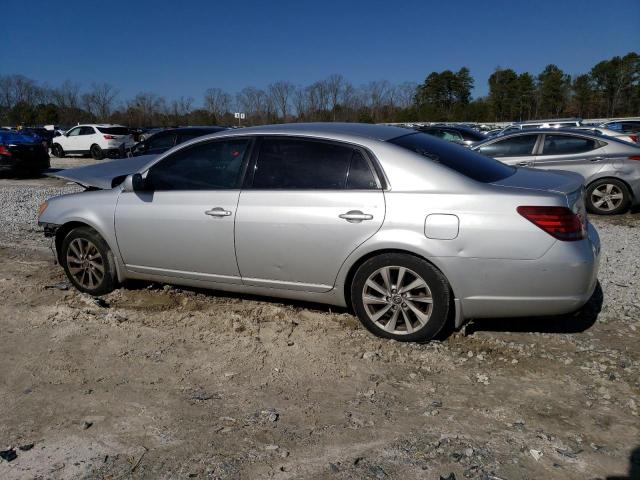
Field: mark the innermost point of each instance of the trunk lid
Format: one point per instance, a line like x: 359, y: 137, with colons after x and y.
x: 543, y: 180
x: 102, y: 175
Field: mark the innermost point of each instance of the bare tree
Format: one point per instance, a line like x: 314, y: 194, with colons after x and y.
x: 217, y: 102
x: 67, y: 95
x: 334, y: 85
x: 280, y: 92
x: 406, y: 94
x: 146, y: 108
x: 99, y: 100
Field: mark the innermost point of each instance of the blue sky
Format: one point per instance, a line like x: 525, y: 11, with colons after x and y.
x: 176, y: 48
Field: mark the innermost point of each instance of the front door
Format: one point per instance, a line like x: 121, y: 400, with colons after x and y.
x: 309, y: 205
x: 516, y: 150
x: 183, y: 226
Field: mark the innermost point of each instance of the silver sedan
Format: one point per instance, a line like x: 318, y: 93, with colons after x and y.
x: 611, y: 167
x: 409, y: 231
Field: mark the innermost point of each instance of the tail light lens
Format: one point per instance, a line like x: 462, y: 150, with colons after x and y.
x: 559, y: 222
x: 4, y: 151
x: 109, y: 137
x: 634, y: 157
x: 634, y: 138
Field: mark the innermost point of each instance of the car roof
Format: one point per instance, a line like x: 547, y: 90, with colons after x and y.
x: 356, y: 130
x: 554, y: 131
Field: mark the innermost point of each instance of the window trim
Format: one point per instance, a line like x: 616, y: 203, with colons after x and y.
x: 381, y: 183
x: 243, y: 168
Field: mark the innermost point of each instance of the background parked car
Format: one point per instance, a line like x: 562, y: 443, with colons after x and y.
x: 611, y: 168
x: 98, y: 140
x: 164, y: 140
x: 22, y: 154
x: 456, y: 134
x: 45, y: 136
x: 551, y: 123
x: 623, y: 126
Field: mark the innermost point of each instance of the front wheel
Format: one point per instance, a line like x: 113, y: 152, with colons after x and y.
x: 88, y: 261
x: 57, y: 150
x: 608, y: 196
x: 401, y: 297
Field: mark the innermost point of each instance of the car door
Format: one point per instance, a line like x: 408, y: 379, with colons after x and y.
x: 516, y: 150
x: 182, y: 225
x: 576, y: 153
x: 309, y: 204
x: 71, y: 140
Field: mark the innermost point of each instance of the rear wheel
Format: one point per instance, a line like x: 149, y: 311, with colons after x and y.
x: 57, y: 150
x: 96, y: 152
x: 88, y: 261
x: 401, y: 297
x: 608, y: 196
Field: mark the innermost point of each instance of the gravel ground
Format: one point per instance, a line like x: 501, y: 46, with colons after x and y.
x: 160, y: 382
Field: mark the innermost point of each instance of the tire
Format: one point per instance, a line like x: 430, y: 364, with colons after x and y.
x: 608, y: 196
x: 96, y: 152
x: 377, y: 305
x: 57, y: 150
x: 88, y: 261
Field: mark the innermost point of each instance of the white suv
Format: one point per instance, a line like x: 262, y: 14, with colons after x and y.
x: 99, y: 140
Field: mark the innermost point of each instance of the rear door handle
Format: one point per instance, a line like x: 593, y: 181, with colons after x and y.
x: 218, y: 212
x: 596, y: 159
x: 525, y: 164
x: 355, y: 216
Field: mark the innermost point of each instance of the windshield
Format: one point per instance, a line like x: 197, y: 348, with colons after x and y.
x: 114, y: 130
x: 460, y: 159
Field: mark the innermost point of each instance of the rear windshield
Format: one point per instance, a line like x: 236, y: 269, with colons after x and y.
x: 455, y: 157
x: 8, y: 137
x: 114, y: 130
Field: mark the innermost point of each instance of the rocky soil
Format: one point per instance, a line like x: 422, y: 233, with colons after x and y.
x: 153, y: 381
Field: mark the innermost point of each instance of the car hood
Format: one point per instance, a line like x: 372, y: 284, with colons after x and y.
x: 558, y: 181
x: 103, y: 174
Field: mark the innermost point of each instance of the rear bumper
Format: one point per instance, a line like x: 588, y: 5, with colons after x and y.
x: 559, y: 282
x: 16, y: 164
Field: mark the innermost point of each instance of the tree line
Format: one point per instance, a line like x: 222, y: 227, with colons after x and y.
x: 611, y: 88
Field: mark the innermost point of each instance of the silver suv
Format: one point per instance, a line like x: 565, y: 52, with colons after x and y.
x: 408, y: 230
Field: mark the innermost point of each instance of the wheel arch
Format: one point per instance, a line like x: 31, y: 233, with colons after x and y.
x: 455, y: 303
x: 64, y: 229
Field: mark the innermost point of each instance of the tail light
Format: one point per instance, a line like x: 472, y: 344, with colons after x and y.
x: 110, y: 137
x: 634, y: 138
x: 634, y: 157
x: 559, y: 222
x: 4, y: 151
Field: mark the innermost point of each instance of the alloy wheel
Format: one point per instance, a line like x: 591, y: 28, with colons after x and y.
x: 85, y: 263
x: 397, y: 300
x: 607, y: 197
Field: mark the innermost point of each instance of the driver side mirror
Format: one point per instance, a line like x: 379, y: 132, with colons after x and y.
x: 134, y: 183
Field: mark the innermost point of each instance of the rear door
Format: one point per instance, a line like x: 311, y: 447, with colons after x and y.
x: 583, y: 155
x: 88, y: 136
x: 516, y: 150
x: 309, y: 203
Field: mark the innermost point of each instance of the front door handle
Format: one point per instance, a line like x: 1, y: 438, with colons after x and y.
x: 355, y: 216
x: 218, y: 212
x: 525, y: 164
x: 596, y: 159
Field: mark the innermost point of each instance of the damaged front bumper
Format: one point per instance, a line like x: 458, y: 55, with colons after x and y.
x: 50, y: 229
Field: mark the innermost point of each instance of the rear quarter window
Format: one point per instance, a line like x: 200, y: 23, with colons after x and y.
x: 460, y: 159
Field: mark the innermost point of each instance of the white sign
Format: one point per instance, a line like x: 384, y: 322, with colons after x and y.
x: 239, y: 115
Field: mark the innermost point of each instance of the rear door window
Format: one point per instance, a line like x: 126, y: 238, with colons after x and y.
x: 114, y: 130
x: 566, y: 145
x: 300, y: 164
x: 87, y: 131
x: 519, y: 145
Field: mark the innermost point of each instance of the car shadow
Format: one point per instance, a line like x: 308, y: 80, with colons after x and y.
x: 577, y: 322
